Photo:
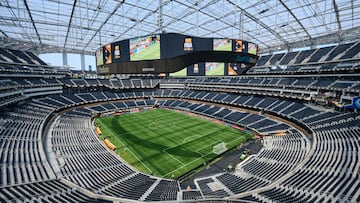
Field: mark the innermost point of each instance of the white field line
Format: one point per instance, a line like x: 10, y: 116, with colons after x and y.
x: 165, y: 123
x: 128, y: 149
x: 173, y: 157
x: 186, y: 164
x: 208, y: 145
x: 191, y: 138
x: 234, y: 140
x: 198, y: 153
x: 165, y: 150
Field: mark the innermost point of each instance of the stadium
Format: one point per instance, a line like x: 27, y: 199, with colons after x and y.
x: 191, y: 101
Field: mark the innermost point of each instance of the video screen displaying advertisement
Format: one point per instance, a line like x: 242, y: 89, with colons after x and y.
x: 252, y: 48
x: 214, y: 69
x: 197, y: 69
x: 117, y: 52
x: 107, y: 54
x: 233, y: 68
x: 120, y: 51
x: 99, y: 57
x: 188, y: 45
x: 239, y: 46
x: 145, y: 48
x: 222, y: 45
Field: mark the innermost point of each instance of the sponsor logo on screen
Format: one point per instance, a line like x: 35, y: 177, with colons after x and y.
x: 117, y: 52
x: 188, y: 46
x: 239, y: 46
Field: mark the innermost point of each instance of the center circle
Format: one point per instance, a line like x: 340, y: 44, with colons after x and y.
x: 158, y: 124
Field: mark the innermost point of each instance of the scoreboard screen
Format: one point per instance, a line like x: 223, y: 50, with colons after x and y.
x: 171, y: 52
x: 145, y: 48
x: 214, y: 68
x: 252, y: 48
x: 107, y: 54
x: 99, y: 57
x: 222, y: 45
x: 239, y: 46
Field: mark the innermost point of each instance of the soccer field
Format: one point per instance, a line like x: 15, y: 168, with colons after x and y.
x: 226, y: 47
x: 218, y: 70
x: 152, y: 52
x: 166, y: 143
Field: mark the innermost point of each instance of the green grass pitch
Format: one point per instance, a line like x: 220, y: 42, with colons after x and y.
x: 179, y: 73
x: 226, y: 47
x: 166, y: 143
x: 152, y: 52
x: 218, y: 70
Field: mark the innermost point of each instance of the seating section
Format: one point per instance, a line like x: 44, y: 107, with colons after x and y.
x: 22, y: 156
x: 17, y: 89
x: 165, y: 190
x: 45, y: 191
x: 89, y: 164
x: 73, y: 153
x: 277, y: 84
x: 83, y: 160
x: 279, y: 155
x: 132, y: 188
x: 207, y: 191
x: 69, y: 164
x: 191, y: 195
x: 232, y: 182
x: 336, y: 150
x: 17, y: 56
x: 331, y: 53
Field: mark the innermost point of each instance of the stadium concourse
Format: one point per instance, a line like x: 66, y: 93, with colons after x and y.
x: 310, y: 153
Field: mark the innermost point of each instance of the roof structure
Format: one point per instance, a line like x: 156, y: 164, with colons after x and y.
x: 81, y: 26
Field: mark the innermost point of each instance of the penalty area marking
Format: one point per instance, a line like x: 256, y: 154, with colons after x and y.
x: 202, y: 155
x: 185, y: 165
x: 191, y: 138
x: 212, y: 144
x: 164, y: 150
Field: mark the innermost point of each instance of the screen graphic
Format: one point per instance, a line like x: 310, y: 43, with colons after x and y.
x: 196, y: 68
x: 188, y: 45
x: 99, y: 57
x: 214, y: 69
x: 107, y: 54
x: 222, y: 45
x: 239, y: 46
x: 145, y: 48
x: 252, y: 48
x: 233, y: 68
x: 117, y: 52
x: 179, y: 73
x: 171, y: 52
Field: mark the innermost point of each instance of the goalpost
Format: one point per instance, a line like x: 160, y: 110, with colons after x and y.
x: 219, y: 148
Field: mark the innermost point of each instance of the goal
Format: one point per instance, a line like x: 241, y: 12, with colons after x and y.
x: 219, y: 148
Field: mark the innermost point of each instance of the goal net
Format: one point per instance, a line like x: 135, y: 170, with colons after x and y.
x: 219, y: 148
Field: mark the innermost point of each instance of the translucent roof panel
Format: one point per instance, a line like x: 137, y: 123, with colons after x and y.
x: 82, y: 26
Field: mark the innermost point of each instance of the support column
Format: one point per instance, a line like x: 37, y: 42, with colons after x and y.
x: 82, y: 56
x: 241, y: 24
x: 65, y: 61
x: 160, y: 17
